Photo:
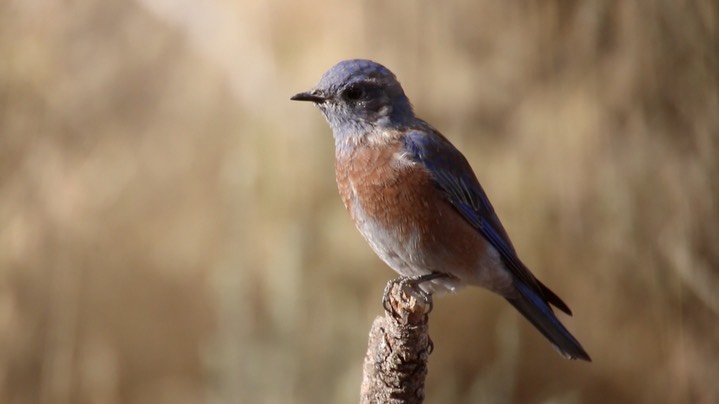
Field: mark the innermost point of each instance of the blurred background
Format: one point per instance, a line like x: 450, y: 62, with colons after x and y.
x: 170, y: 231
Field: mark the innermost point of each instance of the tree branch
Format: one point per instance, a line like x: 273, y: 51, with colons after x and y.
x: 395, y: 366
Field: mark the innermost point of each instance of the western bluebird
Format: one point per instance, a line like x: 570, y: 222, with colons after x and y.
x: 416, y: 200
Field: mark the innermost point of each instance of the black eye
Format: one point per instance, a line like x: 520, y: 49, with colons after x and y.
x: 354, y: 93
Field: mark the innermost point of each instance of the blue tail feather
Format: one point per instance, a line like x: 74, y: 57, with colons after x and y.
x: 537, y: 311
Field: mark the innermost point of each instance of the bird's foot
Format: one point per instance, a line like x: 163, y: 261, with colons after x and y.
x: 413, y: 282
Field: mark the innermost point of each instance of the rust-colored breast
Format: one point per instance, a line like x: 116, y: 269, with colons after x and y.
x: 377, y: 183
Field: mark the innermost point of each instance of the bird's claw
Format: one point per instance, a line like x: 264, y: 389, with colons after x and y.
x: 386, y: 304
x: 430, y: 345
x: 414, y: 282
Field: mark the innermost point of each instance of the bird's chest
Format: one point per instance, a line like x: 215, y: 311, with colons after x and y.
x: 389, y: 200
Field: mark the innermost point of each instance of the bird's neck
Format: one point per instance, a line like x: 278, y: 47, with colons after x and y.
x: 347, y: 144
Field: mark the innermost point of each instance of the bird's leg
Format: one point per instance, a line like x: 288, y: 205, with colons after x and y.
x: 414, y: 282
x: 417, y: 280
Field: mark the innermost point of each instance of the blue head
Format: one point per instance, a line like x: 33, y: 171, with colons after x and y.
x: 358, y: 96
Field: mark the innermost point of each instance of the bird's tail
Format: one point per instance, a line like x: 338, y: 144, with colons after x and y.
x: 537, y: 311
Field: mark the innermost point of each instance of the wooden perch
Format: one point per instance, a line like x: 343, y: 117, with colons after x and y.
x: 395, y: 366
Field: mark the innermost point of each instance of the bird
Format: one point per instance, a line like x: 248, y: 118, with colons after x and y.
x: 416, y: 200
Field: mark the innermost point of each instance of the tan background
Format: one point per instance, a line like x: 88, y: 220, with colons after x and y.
x: 170, y: 230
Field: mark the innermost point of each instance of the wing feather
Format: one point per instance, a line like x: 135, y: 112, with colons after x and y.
x: 454, y: 176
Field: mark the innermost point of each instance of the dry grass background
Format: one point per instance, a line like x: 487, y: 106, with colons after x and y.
x: 170, y: 230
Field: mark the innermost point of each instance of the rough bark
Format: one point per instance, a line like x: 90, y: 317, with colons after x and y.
x: 395, y: 366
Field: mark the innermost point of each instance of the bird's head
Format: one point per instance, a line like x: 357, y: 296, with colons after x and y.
x: 358, y: 96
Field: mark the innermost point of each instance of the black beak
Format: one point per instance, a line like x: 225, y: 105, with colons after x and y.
x: 309, y: 96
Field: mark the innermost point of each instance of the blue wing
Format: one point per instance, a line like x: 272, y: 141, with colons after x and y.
x: 453, y: 175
